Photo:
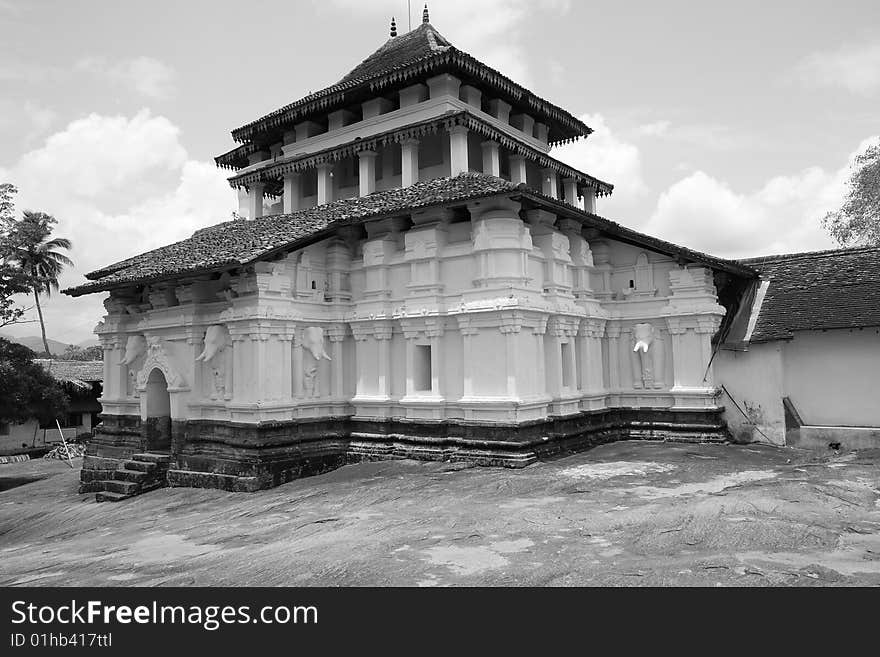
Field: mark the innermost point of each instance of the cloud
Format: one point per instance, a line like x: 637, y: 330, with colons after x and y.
x: 711, y: 136
x: 782, y: 216
x: 608, y: 157
x: 118, y: 186
x: 147, y: 76
x: 854, y: 67
x: 492, y: 30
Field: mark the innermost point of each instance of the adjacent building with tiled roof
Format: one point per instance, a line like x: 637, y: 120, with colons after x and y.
x: 82, y: 381
x: 817, y: 291
x: 801, y: 361
x: 412, y: 275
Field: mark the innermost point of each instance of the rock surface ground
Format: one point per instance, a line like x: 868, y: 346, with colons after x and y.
x: 629, y: 513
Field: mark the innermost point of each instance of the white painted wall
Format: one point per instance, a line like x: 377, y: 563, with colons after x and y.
x: 755, y: 380
x: 832, y: 377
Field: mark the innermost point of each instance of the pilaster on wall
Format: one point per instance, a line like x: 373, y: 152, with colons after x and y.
x: 560, y: 353
x: 423, y: 244
x: 590, y: 367
x: 373, y: 357
x: 581, y: 256
x: 261, y: 357
x: 378, y: 251
x: 694, y: 316
x: 556, y: 249
x: 502, y: 243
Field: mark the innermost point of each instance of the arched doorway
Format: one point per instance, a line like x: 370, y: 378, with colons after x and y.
x: 157, y: 428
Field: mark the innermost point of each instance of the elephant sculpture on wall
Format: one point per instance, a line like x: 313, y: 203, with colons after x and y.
x: 216, y: 342
x: 313, y: 343
x: 216, y: 339
x: 647, y: 357
x: 135, y: 347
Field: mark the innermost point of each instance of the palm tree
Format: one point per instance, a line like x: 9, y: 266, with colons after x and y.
x: 37, y: 253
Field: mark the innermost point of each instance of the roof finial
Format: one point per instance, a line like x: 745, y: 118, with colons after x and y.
x: 425, y: 14
x: 393, y: 27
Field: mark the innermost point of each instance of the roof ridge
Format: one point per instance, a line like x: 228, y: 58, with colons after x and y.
x: 827, y: 253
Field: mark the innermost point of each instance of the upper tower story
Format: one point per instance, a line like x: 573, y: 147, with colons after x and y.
x: 416, y: 109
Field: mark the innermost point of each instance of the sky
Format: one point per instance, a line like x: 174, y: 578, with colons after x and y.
x: 725, y: 127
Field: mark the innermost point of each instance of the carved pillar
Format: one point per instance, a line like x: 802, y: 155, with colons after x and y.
x: 510, y: 329
x: 539, y: 332
x: 518, y: 169
x: 325, y: 183
x: 292, y: 196
x: 434, y: 333
x: 383, y: 332
x: 367, y: 172
x: 591, y: 369
x: 297, y: 359
x: 409, y: 153
x: 612, y: 330
x: 336, y: 334
x: 458, y: 150
x: 553, y: 351
x: 468, y: 332
x: 491, y: 158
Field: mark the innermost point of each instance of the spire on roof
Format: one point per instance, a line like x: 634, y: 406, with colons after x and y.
x: 425, y: 14
x: 393, y: 27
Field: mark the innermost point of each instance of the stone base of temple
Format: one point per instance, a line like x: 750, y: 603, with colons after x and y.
x: 117, y: 438
x: 248, y: 457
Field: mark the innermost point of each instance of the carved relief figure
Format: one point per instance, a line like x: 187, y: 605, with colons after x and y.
x: 647, y: 357
x: 313, y: 344
x: 135, y: 347
x: 131, y: 385
x: 214, y: 356
x: 313, y: 341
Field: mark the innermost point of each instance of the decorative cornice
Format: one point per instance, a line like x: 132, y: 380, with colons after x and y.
x: 276, y: 170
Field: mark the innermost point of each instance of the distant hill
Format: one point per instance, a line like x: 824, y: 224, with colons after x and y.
x: 88, y: 343
x: 35, y: 342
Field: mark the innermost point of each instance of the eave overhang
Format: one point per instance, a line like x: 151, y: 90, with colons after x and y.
x: 270, y: 172
x: 563, y: 126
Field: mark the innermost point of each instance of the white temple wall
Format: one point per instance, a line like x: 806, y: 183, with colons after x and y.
x: 486, y: 308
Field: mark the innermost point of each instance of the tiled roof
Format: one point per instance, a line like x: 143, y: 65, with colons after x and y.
x: 400, y: 50
x: 236, y: 243
x: 80, y: 373
x: 820, y: 290
x: 402, y: 58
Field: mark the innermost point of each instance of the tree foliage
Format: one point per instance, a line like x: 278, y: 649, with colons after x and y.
x: 73, y: 352
x: 13, y: 280
x: 26, y: 389
x: 39, y: 256
x: 857, y: 221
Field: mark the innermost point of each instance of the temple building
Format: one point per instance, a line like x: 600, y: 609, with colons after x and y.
x: 412, y: 275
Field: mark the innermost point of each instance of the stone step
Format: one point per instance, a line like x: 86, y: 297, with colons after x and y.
x: 107, y: 496
x: 123, y: 487
x: 137, y: 476
x: 152, y: 457
x: 141, y: 466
